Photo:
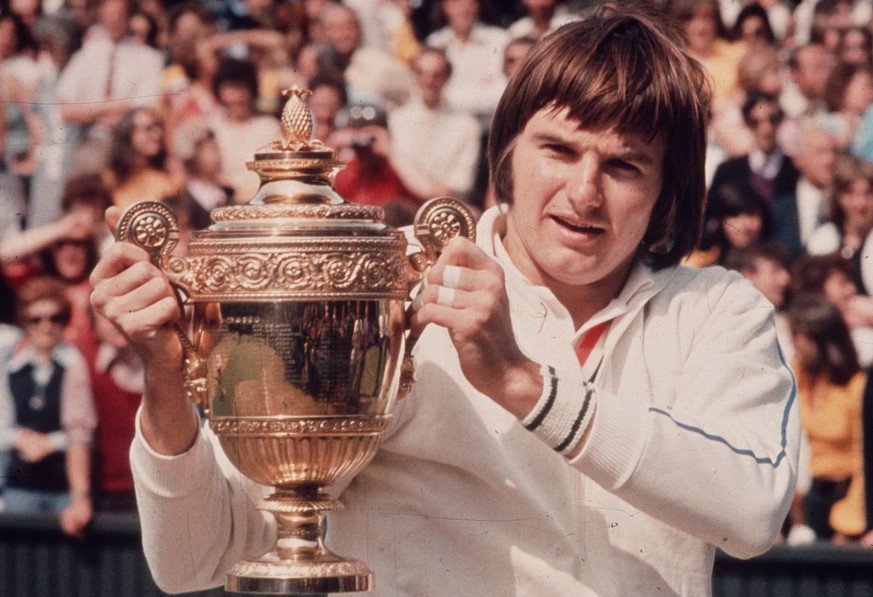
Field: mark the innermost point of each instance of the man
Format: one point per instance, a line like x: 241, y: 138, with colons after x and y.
x: 765, y: 265
x: 372, y: 76
x: 809, y: 68
x: 543, y: 17
x: 238, y: 128
x: 97, y: 87
x: 512, y: 468
x: 797, y: 214
x: 476, y: 53
x: 438, y: 148
x: 765, y: 171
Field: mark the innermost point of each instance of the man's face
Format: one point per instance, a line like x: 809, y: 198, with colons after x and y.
x: 431, y: 74
x: 237, y: 100
x: 113, y: 17
x: 461, y: 14
x: 770, y: 278
x: 341, y: 30
x: 818, y: 154
x: 764, y: 120
x: 582, y: 201
x: 812, y: 71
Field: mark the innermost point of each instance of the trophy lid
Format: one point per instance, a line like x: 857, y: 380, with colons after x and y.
x: 297, y: 239
x: 297, y: 194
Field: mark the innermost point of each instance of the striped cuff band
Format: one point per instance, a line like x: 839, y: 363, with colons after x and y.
x: 561, y: 415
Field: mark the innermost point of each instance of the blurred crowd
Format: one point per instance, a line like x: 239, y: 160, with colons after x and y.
x: 110, y: 102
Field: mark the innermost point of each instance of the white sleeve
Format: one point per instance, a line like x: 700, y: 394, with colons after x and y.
x: 720, y: 464
x: 197, y: 513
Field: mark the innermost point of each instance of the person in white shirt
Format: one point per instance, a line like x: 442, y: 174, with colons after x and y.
x: 589, y: 417
x: 96, y: 87
x: 543, y: 17
x: 476, y: 53
x: 439, y: 147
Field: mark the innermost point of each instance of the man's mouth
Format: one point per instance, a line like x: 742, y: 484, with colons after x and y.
x: 577, y: 226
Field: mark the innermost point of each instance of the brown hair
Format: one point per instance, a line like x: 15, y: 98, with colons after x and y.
x: 847, y: 170
x: 619, y: 70
x: 39, y: 289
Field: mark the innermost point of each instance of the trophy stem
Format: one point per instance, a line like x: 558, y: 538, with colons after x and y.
x: 301, y: 564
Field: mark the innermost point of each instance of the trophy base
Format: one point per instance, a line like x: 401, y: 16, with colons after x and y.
x: 271, y: 575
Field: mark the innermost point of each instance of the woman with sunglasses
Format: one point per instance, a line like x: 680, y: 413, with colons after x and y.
x: 47, y: 415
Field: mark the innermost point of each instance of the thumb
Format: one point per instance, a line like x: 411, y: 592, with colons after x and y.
x: 111, y: 217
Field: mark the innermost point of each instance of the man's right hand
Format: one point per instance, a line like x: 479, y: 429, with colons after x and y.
x: 136, y: 297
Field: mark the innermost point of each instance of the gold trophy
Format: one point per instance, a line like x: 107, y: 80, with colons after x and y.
x: 296, y: 343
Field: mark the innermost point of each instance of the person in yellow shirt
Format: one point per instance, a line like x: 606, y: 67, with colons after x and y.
x: 830, y: 385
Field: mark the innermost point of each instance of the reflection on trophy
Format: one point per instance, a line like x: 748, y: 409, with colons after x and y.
x: 296, y: 348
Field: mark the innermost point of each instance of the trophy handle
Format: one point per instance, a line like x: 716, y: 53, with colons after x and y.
x: 436, y: 223
x: 153, y: 226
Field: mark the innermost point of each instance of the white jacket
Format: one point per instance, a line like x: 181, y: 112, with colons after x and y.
x: 693, y: 445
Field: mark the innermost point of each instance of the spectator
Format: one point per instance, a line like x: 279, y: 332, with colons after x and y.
x: 753, y: 27
x: 194, y: 145
x: 117, y: 380
x: 831, y: 276
x: 514, y: 53
x: 47, y: 415
x: 327, y: 100
x: 438, y: 146
x: 849, y: 230
x: 475, y: 51
x: 765, y: 265
x: 848, y: 94
x: 370, y: 176
x: 58, y: 38
x: 765, y: 172
x: 373, y: 77
x: 737, y: 221
x: 19, y: 79
x: 96, y: 88
x: 238, y: 129
x: 830, y: 387
x: 808, y: 70
x: 856, y: 46
x: 186, y: 85
x: 136, y: 169
x: 543, y: 17
x: 708, y: 41
x: 797, y: 214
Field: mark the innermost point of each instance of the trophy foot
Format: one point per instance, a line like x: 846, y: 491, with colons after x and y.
x: 326, y: 574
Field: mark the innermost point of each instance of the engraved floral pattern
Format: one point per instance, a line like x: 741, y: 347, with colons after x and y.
x: 150, y: 230
x: 339, y: 269
x: 254, y: 272
x: 445, y: 225
x: 217, y: 273
x: 294, y: 272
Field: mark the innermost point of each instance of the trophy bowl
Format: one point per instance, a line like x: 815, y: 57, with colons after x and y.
x: 295, y: 349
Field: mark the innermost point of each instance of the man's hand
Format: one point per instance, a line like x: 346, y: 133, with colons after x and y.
x: 33, y: 446
x: 75, y: 517
x: 465, y: 294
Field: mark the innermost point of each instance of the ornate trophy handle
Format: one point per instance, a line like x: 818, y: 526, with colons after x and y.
x: 436, y: 223
x: 153, y: 226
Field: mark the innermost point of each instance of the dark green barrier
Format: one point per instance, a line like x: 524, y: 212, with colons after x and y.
x: 37, y: 560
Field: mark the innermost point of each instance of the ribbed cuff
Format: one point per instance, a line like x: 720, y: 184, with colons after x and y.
x: 615, y: 443
x: 563, y: 412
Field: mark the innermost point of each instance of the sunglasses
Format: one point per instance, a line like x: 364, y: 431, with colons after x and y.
x: 54, y: 318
